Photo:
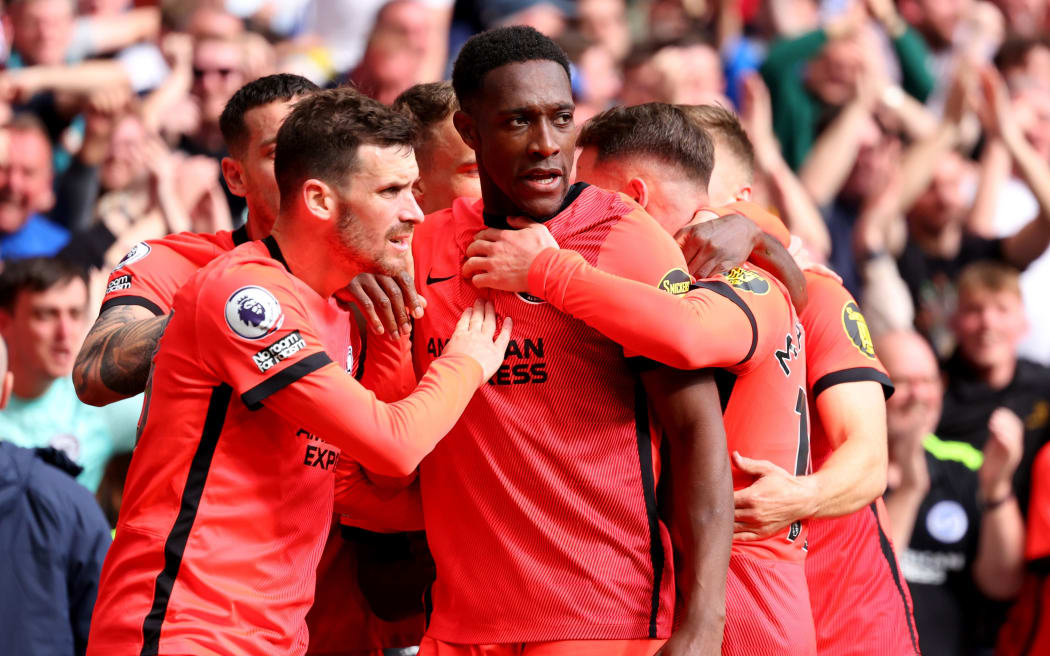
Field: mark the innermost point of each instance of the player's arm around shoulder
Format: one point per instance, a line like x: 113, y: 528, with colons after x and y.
x: 638, y: 248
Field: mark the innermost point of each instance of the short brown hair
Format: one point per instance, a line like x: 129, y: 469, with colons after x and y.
x: 989, y: 276
x: 657, y: 130
x: 36, y: 274
x: 429, y: 103
x: 320, y: 137
x: 723, y: 125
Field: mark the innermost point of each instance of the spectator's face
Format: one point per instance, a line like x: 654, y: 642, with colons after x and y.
x: 377, y: 212
x: 670, y: 197
x: 123, y: 164
x: 944, y: 202
x: 521, y: 129
x: 45, y: 329
x: 916, y: 401
x: 405, y: 20
x: 833, y: 75
x: 605, y: 21
x: 43, y: 30
x: 256, y: 164
x: 25, y: 182
x: 877, y: 157
x: 988, y: 326
x: 696, y: 73
x: 217, y: 74
x: 448, y: 169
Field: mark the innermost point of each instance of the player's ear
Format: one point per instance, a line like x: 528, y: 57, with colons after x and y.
x: 638, y: 190
x: 234, y: 175
x: 467, y: 129
x: 319, y: 199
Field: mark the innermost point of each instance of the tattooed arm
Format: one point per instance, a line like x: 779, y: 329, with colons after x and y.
x: 114, y: 361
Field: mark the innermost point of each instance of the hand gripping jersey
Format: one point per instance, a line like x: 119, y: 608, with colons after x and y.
x: 149, y: 276
x: 861, y: 603
x: 540, y: 505
x: 743, y: 323
x: 229, y: 497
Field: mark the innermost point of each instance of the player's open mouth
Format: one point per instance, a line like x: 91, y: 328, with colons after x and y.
x: 542, y: 179
x: 401, y: 243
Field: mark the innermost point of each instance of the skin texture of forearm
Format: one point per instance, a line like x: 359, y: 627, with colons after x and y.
x: 831, y: 158
x: 855, y: 473
x: 800, y: 214
x: 114, y: 361
x: 999, y: 567
x: 700, y: 521
x: 1030, y: 242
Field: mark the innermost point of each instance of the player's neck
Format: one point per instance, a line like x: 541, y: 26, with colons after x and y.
x: 301, y: 255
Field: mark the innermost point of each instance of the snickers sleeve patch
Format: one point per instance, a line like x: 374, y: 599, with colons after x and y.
x: 838, y: 345
x: 255, y: 333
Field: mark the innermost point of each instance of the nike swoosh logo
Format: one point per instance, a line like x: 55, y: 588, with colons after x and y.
x: 431, y: 279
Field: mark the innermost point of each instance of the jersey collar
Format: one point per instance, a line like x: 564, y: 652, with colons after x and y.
x: 240, y: 235
x: 275, y: 251
x: 500, y: 221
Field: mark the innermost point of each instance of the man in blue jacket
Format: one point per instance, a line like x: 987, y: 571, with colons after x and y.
x: 54, y: 537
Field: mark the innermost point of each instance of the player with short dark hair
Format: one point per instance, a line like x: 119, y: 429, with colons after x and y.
x: 545, y: 533
x: 741, y: 322
x: 230, y: 494
x: 448, y: 168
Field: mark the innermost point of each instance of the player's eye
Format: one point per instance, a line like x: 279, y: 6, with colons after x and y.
x: 563, y: 119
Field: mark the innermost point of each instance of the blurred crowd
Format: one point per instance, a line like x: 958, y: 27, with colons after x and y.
x: 905, y: 143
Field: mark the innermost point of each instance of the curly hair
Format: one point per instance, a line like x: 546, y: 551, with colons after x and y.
x: 495, y: 48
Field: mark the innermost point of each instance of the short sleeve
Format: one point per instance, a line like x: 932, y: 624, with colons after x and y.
x: 254, y: 332
x: 838, y: 344
x: 148, y: 276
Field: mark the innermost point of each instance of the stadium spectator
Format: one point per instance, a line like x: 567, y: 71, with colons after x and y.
x: 54, y: 538
x: 26, y: 193
x: 43, y: 306
x: 606, y: 22
x: 448, y: 168
x: 826, y: 69
x: 951, y: 503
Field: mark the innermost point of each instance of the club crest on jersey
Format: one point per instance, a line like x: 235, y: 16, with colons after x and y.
x: 748, y: 281
x: 137, y: 252
x: 947, y: 522
x: 675, y: 281
x: 253, y: 313
x: 857, y: 329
